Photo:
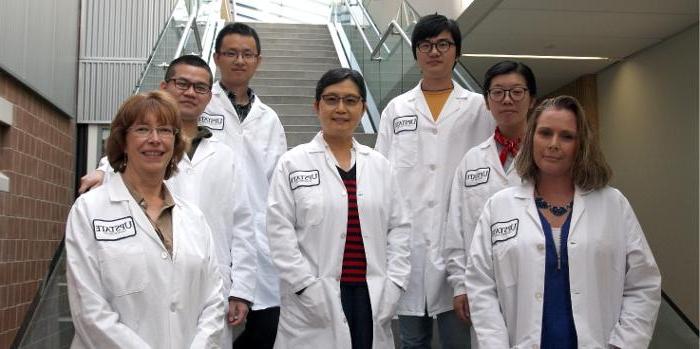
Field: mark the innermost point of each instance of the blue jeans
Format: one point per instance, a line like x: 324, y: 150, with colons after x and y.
x: 358, y: 312
x: 417, y: 331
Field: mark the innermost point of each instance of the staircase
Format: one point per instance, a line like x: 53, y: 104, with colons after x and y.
x: 294, y: 58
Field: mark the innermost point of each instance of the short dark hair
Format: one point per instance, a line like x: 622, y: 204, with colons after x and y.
x: 337, y: 75
x: 158, y: 103
x: 192, y: 60
x: 432, y: 25
x: 507, y: 67
x: 590, y: 171
x: 237, y: 28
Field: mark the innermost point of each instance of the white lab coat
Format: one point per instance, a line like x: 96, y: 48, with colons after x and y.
x: 214, y: 181
x: 259, y: 141
x: 479, y: 175
x: 125, y: 290
x: 425, y: 153
x: 307, y: 224
x: 615, y: 283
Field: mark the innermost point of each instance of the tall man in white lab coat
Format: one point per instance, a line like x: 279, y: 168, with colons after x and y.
x: 240, y: 119
x: 212, y: 177
x: 424, y: 133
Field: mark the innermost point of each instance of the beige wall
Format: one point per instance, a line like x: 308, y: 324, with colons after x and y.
x: 648, y: 109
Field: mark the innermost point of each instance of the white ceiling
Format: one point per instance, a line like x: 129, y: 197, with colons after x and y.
x: 607, y: 28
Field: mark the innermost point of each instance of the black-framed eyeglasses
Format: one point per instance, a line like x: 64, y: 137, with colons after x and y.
x: 184, y: 85
x: 143, y: 131
x: 247, y: 56
x: 441, y: 45
x: 498, y: 94
x: 334, y: 100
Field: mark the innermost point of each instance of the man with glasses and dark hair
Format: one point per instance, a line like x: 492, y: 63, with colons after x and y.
x: 252, y: 129
x: 213, y: 178
x: 424, y: 133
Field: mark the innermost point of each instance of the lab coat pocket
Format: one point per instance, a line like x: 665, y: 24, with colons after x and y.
x: 123, y: 269
x: 506, y: 262
x: 389, y: 302
x: 312, y: 305
x: 406, y: 149
x: 309, y: 205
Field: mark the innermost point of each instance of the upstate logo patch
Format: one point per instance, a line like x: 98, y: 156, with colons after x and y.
x: 503, y: 231
x: 304, y: 179
x: 405, y: 123
x: 111, y: 230
x: 212, y: 121
x: 475, y: 177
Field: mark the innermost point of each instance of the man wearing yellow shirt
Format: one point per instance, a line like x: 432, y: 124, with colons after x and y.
x: 424, y: 133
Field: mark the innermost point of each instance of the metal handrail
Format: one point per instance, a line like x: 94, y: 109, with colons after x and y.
x: 359, y: 28
x: 186, y: 33
x: 389, y: 30
x: 149, y: 61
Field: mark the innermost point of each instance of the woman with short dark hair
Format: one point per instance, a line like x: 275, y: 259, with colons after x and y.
x: 141, y: 268
x: 338, y: 230
x: 561, y: 261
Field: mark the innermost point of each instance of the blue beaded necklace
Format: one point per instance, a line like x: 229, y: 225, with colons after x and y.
x: 556, y: 210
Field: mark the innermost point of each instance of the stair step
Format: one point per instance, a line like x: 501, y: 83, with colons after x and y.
x: 287, y: 99
x: 288, y: 74
x: 267, y: 53
x: 291, y: 108
x: 290, y: 46
x: 291, y: 60
x: 318, y: 67
x: 320, y: 40
x: 260, y: 82
x: 304, y: 91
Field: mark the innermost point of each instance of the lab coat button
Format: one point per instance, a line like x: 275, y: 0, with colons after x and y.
x: 343, y: 194
x: 540, y: 247
x: 431, y: 203
x: 173, y: 307
x: 164, y: 255
x: 433, y: 167
x: 576, y: 292
x: 538, y: 296
x: 342, y: 235
x: 435, y: 131
x: 572, y: 242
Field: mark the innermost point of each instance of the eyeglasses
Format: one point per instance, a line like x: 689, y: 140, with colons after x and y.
x: 499, y: 94
x: 247, y: 56
x: 143, y: 131
x: 184, y: 85
x: 348, y: 101
x: 442, y: 46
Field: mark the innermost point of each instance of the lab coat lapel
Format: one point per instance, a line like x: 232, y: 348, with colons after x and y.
x: 420, y: 105
x: 219, y: 93
x: 204, y: 150
x: 578, y: 209
x: 454, y: 103
x: 118, y: 192
x: 526, y: 193
x: 320, y: 149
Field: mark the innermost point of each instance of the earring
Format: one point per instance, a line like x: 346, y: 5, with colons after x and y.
x: 122, y: 167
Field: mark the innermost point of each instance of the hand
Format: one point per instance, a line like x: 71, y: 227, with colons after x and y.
x: 461, y: 305
x: 91, y: 180
x: 237, y: 312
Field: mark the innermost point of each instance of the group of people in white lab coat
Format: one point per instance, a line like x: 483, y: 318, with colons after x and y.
x: 470, y: 211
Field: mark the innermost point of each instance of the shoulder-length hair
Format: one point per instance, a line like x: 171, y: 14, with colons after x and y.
x: 135, y: 109
x: 589, y: 171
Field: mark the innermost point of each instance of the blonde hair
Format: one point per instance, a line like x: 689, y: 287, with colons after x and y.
x: 157, y: 103
x: 589, y: 171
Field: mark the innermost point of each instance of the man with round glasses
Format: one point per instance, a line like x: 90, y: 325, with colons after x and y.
x: 252, y: 129
x: 211, y: 177
x: 424, y: 133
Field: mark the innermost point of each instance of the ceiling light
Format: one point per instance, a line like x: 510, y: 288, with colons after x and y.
x: 533, y: 56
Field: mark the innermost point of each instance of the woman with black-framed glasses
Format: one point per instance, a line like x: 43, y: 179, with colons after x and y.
x: 338, y: 230
x: 510, y: 91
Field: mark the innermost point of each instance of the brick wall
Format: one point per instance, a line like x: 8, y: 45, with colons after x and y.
x: 37, y: 153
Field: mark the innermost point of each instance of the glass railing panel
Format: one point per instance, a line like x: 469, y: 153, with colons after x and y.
x: 51, y: 326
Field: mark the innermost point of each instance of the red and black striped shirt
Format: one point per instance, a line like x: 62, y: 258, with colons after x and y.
x: 354, y: 259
